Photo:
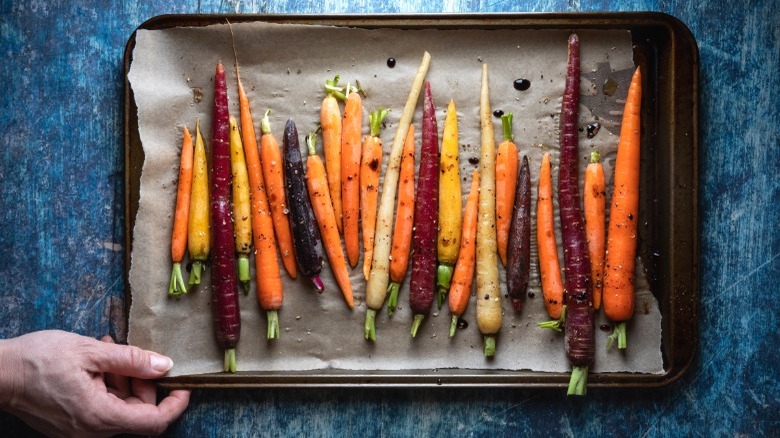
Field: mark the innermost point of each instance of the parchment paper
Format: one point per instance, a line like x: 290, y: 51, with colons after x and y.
x: 284, y: 67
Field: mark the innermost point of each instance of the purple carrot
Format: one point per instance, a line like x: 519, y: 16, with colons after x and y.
x: 224, y: 288
x: 579, y: 335
x: 518, y: 264
x: 426, y: 217
x: 306, y: 235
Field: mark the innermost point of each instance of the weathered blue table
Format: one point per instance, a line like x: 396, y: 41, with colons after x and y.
x: 62, y: 217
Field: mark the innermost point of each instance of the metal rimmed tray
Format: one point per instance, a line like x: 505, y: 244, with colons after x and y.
x: 666, y: 49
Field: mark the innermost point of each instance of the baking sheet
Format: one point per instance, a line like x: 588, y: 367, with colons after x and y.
x: 283, y: 68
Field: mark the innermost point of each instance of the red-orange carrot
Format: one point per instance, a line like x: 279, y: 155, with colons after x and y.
x: 549, y: 264
x: 330, y: 121
x: 269, y: 281
x: 351, y: 132
x: 177, y: 286
x: 404, y: 223
x: 460, y: 289
x: 321, y: 205
x: 506, y: 183
x: 594, y: 204
x: 618, y: 294
x: 370, y: 167
x: 273, y: 173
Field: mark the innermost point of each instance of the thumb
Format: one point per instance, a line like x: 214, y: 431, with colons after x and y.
x: 127, y: 360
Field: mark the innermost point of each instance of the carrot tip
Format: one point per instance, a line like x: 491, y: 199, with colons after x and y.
x: 370, y: 326
x: 392, y: 301
x: 197, y: 266
x: 230, y: 360
x: 517, y: 304
x: 177, y: 287
x: 418, y: 318
x: 318, y: 284
x: 490, y: 345
x: 273, y: 324
x: 578, y: 381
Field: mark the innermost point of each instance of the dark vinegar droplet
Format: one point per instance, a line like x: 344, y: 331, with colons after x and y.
x: 605, y: 327
x: 593, y: 129
x: 391, y: 62
x: 522, y: 84
x: 462, y: 323
x: 474, y: 160
x: 531, y: 294
x: 498, y: 113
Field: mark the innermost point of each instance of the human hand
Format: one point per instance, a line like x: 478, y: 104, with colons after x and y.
x: 64, y: 384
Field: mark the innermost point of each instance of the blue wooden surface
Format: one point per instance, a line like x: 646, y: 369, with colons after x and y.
x: 62, y: 217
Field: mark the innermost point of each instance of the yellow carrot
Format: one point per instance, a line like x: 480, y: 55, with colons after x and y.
x: 198, y: 231
x: 242, y: 226
x: 450, y: 204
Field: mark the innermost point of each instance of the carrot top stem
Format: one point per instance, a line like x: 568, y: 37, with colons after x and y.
x: 392, y: 301
x: 453, y: 325
x: 619, y: 335
x: 578, y: 381
x: 311, y: 143
x: 375, y: 119
x: 230, y: 360
x: 555, y: 324
x: 197, y: 267
x: 244, y: 276
x: 595, y: 157
x: 332, y: 88
x: 370, y: 326
x: 273, y: 324
x: 490, y: 345
x: 177, y: 286
x: 265, y: 123
x: 506, y: 125
x: 416, y: 323
x: 443, y: 281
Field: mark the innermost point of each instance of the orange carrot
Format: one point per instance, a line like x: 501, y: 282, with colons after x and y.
x: 273, y: 173
x: 370, y: 167
x: 460, y: 289
x: 330, y: 120
x: 618, y: 294
x: 198, y: 223
x: 506, y: 183
x: 269, y: 281
x: 351, y: 132
x: 595, y: 195
x: 404, y: 223
x: 177, y: 286
x: 549, y: 264
x: 317, y: 183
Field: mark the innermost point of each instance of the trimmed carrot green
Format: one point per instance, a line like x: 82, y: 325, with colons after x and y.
x: 489, y: 312
x: 273, y: 173
x: 460, y: 289
x: 378, y: 279
x: 404, y: 223
x: 227, y: 318
x: 618, y: 295
x: 198, y: 225
x: 423, y: 282
x: 269, y: 281
x: 370, y: 167
x: 330, y: 121
x: 351, y: 132
x: 177, y: 286
x: 450, y: 204
x: 549, y: 264
x: 506, y: 182
x: 594, y: 205
x: 242, y: 209
x: 322, y: 207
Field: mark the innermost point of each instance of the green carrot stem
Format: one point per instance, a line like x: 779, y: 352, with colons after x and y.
x: 490, y: 345
x: 443, y: 281
x: 418, y: 319
x: 555, y: 324
x: 177, y: 286
x: 392, y: 301
x: 506, y: 125
x: 453, y: 325
x: 619, y: 335
x: 197, y: 266
x: 230, y: 360
x: 595, y: 157
x: 375, y: 119
x: 243, y: 272
x: 370, y: 326
x: 578, y: 381
x: 265, y: 123
x: 273, y: 324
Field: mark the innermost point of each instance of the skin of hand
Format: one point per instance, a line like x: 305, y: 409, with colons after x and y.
x: 64, y: 384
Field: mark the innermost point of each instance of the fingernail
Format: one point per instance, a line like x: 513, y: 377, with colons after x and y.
x: 161, y: 363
